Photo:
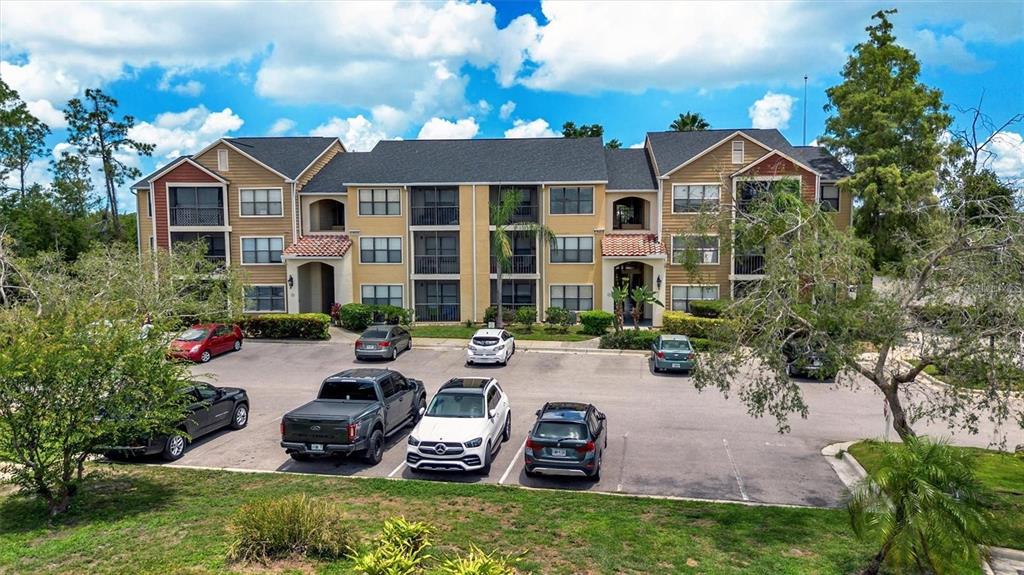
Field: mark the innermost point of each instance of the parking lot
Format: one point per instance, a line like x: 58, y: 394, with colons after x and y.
x: 665, y: 438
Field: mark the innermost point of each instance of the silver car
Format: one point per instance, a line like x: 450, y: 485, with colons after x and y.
x: 383, y: 342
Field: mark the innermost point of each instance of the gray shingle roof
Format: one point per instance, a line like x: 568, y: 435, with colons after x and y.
x: 674, y: 148
x: 629, y: 169
x: 144, y: 182
x: 287, y: 155
x: 468, y: 161
x: 822, y: 161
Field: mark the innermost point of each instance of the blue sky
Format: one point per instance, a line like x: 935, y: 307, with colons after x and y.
x: 193, y: 72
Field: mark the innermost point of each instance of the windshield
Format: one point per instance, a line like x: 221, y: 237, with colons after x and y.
x: 675, y: 344
x: 560, y: 430
x: 457, y: 405
x: 193, y: 335
x: 485, y: 341
x: 375, y: 334
x: 350, y: 390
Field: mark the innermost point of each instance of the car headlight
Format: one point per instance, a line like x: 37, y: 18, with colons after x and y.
x: 195, y: 348
x: 474, y: 442
x: 413, y: 441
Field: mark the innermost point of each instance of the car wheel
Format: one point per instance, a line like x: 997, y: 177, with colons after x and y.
x: 394, y: 353
x: 375, y: 450
x: 238, y: 345
x: 506, y: 434
x: 174, y: 448
x: 408, y: 346
x: 301, y: 456
x: 422, y: 405
x: 486, y: 469
x: 240, y: 418
x: 205, y: 357
x: 596, y: 475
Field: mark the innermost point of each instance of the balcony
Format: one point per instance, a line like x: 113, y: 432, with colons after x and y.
x: 521, y: 264
x: 749, y: 264
x: 197, y: 216
x: 524, y: 213
x: 435, y: 215
x: 429, y: 264
x: 437, y: 312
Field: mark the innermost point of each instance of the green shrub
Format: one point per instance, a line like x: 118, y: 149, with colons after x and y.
x: 596, y: 322
x: 356, y: 316
x: 287, y: 326
x: 490, y: 314
x: 700, y: 344
x: 400, y: 549
x: 508, y: 315
x: 681, y: 323
x: 629, y: 339
x: 711, y: 308
x: 526, y: 316
x: 293, y: 525
x: 477, y: 562
x: 558, y: 316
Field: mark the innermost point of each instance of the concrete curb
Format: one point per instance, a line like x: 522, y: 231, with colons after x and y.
x: 524, y: 348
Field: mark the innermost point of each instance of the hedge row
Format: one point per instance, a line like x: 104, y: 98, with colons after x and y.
x: 708, y: 308
x: 359, y: 316
x: 682, y: 323
x: 596, y: 322
x: 642, y: 340
x: 286, y: 326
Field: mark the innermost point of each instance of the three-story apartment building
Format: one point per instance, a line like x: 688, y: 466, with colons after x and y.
x: 408, y: 223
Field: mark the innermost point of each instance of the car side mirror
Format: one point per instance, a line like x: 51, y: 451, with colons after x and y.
x: 490, y: 414
x: 538, y: 413
x: 601, y: 416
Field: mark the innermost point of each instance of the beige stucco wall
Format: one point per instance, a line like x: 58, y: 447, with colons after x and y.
x: 650, y: 216
x: 361, y: 226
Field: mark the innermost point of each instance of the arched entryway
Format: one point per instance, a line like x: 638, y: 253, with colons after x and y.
x: 634, y: 274
x: 315, y: 283
x: 327, y: 215
x: 630, y: 213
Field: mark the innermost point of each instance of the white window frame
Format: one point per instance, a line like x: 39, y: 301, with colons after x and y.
x: 387, y: 191
x: 821, y: 198
x: 738, y: 149
x: 552, y: 249
x: 222, y: 160
x: 241, y: 191
x: 401, y: 287
x: 551, y: 201
x: 551, y: 297
x: 672, y: 300
x: 241, y: 250
x: 672, y: 198
x: 718, y: 249
x: 284, y: 291
x: 401, y: 250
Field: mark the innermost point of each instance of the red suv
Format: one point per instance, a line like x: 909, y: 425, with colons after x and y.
x: 203, y: 341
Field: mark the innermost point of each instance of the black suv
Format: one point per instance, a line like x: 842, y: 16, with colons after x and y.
x: 567, y: 439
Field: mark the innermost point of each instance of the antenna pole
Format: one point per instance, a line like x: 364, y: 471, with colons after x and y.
x: 805, y: 110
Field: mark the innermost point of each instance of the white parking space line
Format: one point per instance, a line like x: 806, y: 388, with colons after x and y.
x: 397, y: 469
x: 622, y: 464
x: 735, y: 471
x: 515, y: 459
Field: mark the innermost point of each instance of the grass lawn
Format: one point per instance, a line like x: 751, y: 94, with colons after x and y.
x: 1001, y: 473
x: 1016, y: 378
x: 173, y: 520
x: 538, y: 333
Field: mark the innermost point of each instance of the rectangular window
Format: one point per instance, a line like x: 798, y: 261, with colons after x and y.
x: 695, y: 198
x: 573, y: 250
x: 264, y: 298
x: 149, y: 204
x: 262, y: 250
x: 379, y: 202
x: 706, y: 248
x: 382, y: 295
x: 515, y: 293
x: 152, y: 243
x: 222, y: 160
x: 737, y: 152
x: 261, y: 202
x: 215, y: 244
x: 830, y: 198
x: 573, y: 297
x: 683, y: 295
x: 380, y: 250
x: 576, y: 200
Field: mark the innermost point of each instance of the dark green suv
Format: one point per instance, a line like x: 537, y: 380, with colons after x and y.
x: 567, y: 439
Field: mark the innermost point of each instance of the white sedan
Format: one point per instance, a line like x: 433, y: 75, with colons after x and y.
x: 490, y: 346
x: 462, y: 428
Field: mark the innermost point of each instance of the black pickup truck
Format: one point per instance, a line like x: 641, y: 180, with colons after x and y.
x: 353, y: 413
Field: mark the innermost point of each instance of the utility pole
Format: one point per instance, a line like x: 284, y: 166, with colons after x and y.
x: 805, y: 110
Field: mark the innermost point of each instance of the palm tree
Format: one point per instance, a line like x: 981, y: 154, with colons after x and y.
x: 689, y: 122
x: 503, y: 218
x: 923, y: 506
x: 619, y: 294
x: 642, y: 295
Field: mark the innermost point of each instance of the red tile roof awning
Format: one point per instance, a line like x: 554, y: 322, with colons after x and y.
x: 631, y: 245
x: 319, y: 246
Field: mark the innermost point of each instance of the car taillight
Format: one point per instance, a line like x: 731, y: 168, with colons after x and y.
x: 351, y: 432
x: 661, y: 355
x: 586, y: 448
x: 531, y: 445
x: 359, y: 344
x: 385, y: 343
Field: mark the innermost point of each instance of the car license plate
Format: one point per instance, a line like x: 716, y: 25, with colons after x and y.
x: 675, y: 366
x: 371, y: 347
x: 557, y: 452
x: 316, y: 447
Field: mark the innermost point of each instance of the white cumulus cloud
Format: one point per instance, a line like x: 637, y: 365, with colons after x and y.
x: 178, y: 133
x: 538, y: 128
x: 441, y: 129
x: 281, y: 126
x: 47, y: 114
x: 772, y: 111
x: 1008, y: 155
x: 506, y: 109
x: 357, y: 134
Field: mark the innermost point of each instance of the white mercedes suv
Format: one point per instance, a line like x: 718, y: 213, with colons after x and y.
x: 462, y: 428
x: 490, y: 346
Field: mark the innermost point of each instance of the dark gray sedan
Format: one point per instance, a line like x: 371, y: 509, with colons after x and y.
x: 383, y: 342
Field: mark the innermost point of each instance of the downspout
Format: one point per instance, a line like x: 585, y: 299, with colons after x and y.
x: 474, y: 280
x: 296, y: 215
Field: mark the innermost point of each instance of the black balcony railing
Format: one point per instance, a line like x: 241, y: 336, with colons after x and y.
x: 437, y: 312
x: 749, y: 264
x: 435, y: 215
x: 525, y: 264
x: 436, y: 264
x: 197, y: 216
x: 524, y: 213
